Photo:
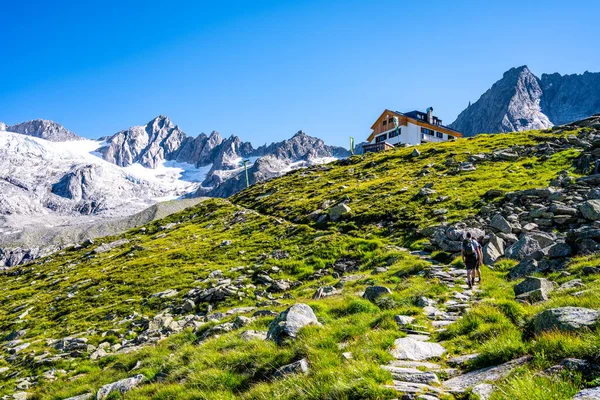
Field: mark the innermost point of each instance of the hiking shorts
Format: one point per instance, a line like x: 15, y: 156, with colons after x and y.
x: 471, y: 263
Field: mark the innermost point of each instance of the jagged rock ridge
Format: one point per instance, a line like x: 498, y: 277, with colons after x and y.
x: 521, y: 101
x: 43, y: 129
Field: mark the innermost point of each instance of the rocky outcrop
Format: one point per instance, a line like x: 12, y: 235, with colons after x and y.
x: 120, y: 387
x: 565, y: 319
x: 43, y: 129
x: 520, y: 101
x: 148, y: 145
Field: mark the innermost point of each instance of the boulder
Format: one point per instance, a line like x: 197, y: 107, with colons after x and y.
x: 121, y: 387
x: 403, y: 320
x: 524, y: 268
x: 298, y: 367
x: 590, y: 209
x: 559, y: 250
x: 588, y: 394
x: 289, y: 322
x: 533, y: 296
x: 416, y: 350
x: 336, y: 212
x: 85, y: 396
x: 574, y: 283
x: 532, y: 283
x: 372, y: 293
x: 493, y: 249
x: 525, y: 247
x: 499, y: 223
x: 565, y: 319
x: 543, y: 238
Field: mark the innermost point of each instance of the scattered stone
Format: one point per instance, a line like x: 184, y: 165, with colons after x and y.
x: 120, y: 387
x: 298, y: 367
x: 336, y: 212
x: 416, y: 350
x: 574, y: 283
x: 288, y: 323
x: 165, y: 294
x: 565, y: 319
x: 524, y: 268
x: 84, y: 396
x: 324, y: 291
x: 483, y: 390
x: 372, y: 293
x: 253, y: 335
x: 423, y: 301
x: 461, y: 361
x: 524, y: 248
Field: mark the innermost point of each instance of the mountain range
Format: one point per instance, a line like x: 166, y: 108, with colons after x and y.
x: 51, y: 178
x: 522, y: 101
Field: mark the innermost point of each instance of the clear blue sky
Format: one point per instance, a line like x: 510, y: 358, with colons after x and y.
x: 265, y: 69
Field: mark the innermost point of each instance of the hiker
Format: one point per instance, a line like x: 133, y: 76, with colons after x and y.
x: 472, y: 256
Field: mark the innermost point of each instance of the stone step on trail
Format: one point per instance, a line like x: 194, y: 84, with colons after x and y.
x: 412, y: 375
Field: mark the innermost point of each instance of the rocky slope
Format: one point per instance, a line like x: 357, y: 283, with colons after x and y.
x: 43, y: 129
x: 297, y: 288
x: 521, y: 101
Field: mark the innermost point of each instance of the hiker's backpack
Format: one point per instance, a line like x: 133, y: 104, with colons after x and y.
x: 469, y: 247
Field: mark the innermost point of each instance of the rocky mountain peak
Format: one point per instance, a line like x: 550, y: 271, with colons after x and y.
x: 43, y: 129
x: 520, y: 101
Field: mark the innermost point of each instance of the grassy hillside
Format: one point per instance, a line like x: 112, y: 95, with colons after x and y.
x: 382, y: 189
x: 271, y: 254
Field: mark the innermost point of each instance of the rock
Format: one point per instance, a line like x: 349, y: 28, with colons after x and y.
x: 372, y: 293
x: 524, y: 268
x: 590, y: 209
x: 120, y: 387
x: 544, y: 239
x: 461, y: 383
x: 99, y: 353
x: 288, y: 323
x: 165, y: 294
x: 533, y: 296
x: 483, y: 390
x: 499, y: 223
x: 525, y: 247
x: 403, y: 320
x: 188, y: 305
x: 336, y: 212
x: 565, y: 319
x: 588, y: 270
x: 532, y: 283
x: 412, y: 375
x: 324, y: 291
x: 588, y: 394
x: 559, y: 250
x: 84, y: 396
x: 298, y: 367
x: 574, y: 283
x: 423, y: 301
x: 415, y: 153
x: 253, y: 335
x: 415, y: 350
x: 461, y: 361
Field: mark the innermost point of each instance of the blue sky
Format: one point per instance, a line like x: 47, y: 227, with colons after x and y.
x: 265, y: 69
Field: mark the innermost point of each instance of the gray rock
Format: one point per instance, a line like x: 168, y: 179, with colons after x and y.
x: 412, y: 375
x: 501, y: 224
x: 565, y: 319
x: 588, y: 394
x: 336, y: 212
x: 288, y: 323
x: 416, y: 350
x: 533, y: 296
x: 403, y: 320
x: 559, y: 250
x: 84, y: 396
x: 253, y: 335
x: 544, y: 239
x: 524, y: 268
x: 372, y: 293
x: 525, y: 247
x: 483, y: 390
x: 532, y: 283
x: 461, y: 383
x: 461, y: 361
x: 298, y: 367
x: 121, y: 387
x: 590, y: 209
x: 493, y: 250
x: 574, y: 283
